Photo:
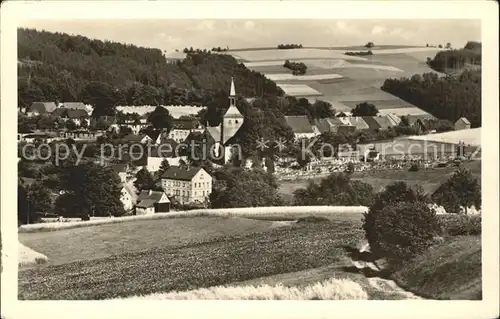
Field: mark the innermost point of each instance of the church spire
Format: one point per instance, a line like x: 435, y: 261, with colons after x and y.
x: 233, y: 91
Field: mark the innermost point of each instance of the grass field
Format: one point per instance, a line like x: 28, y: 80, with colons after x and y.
x: 193, y: 265
x: 434, y: 273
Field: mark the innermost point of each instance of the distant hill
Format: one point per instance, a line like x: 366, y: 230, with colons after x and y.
x: 61, y: 67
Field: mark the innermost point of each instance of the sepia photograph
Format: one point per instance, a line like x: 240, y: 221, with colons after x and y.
x: 250, y: 159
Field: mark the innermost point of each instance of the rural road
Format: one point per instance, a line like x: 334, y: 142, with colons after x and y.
x: 381, y: 284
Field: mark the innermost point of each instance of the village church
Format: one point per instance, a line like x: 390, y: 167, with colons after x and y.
x: 231, y: 123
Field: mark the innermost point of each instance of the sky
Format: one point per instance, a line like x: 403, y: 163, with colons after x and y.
x: 177, y: 34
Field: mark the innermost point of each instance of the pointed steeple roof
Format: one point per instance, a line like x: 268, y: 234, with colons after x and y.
x: 233, y: 90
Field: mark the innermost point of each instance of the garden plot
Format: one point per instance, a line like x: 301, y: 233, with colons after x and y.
x: 290, y: 77
x: 299, y: 89
x: 403, y: 111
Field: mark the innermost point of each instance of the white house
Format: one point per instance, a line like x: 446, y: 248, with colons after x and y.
x: 187, y: 185
x: 127, y: 197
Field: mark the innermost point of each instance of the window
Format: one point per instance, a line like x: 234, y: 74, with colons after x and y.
x: 229, y: 122
x: 236, y: 121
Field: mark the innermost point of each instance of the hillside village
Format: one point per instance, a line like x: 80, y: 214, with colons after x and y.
x: 313, y: 150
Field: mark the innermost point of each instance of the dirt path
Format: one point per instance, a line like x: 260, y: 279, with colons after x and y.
x: 381, y: 284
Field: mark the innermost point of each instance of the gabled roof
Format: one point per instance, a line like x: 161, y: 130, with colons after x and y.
x: 299, y: 124
x: 181, y: 174
x: 133, y: 138
x: 233, y: 112
x: 371, y: 122
x: 146, y: 203
x: 75, y: 106
x: 176, y: 55
x: 155, y: 196
x: 323, y: 125
x: 383, y: 122
x: 358, y: 122
x: 70, y: 113
x: 393, y: 119
x: 464, y: 120
x: 43, y: 107
x: 214, y: 131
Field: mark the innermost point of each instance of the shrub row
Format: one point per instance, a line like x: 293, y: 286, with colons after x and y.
x: 298, y: 68
x: 460, y: 225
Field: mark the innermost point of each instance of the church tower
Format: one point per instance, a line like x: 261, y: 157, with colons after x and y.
x: 233, y: 119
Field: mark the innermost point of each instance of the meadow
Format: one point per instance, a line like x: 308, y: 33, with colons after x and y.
x: 343, y: 80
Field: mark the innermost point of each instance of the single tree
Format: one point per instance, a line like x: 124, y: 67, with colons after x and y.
x: 144, y: 180
x: 365, y: 109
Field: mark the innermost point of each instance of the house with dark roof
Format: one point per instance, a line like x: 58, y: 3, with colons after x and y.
x: 301, y: 127
x: 371, y: 122
x: 187, y: 185
x: 77, y: 106
x: 150, y: 202
x: 462, y: 124
x: 383, y: 122
x: 76, y: 115
x: 38, y: 108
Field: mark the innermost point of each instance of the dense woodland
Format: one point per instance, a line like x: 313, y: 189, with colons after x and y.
x: 452, y: 60
x: 59, y: 67
x: 360, y: 53
x: 449, y: 97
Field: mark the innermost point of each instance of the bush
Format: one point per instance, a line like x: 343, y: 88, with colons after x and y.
x: 460, y: 225
x: 313, y: 219
x: 373, y: 222
x: 462, y: 189
x: 414, y: 167
x: 402, y: 230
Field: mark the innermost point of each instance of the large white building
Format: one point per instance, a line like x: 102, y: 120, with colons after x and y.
x: 187, y: 185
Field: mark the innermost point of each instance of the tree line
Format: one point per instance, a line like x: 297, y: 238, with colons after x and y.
x: 449, y: 97
x: 289, y: 46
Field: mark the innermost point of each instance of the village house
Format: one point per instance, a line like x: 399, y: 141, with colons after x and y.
x: 151, y: 202
x: 393, y: 119
x: 38, y: 108
x: 127, y: 197
x: 462, y: 124
x: 80, y: 135
x: 77, y: 106
x: 78, y: 116
x: 187, y: 185
x: 301, y: 127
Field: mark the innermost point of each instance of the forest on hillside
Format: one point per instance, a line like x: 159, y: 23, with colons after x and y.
x: 60, y: 67
x: 465, y: 58
x: 449, y: 97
